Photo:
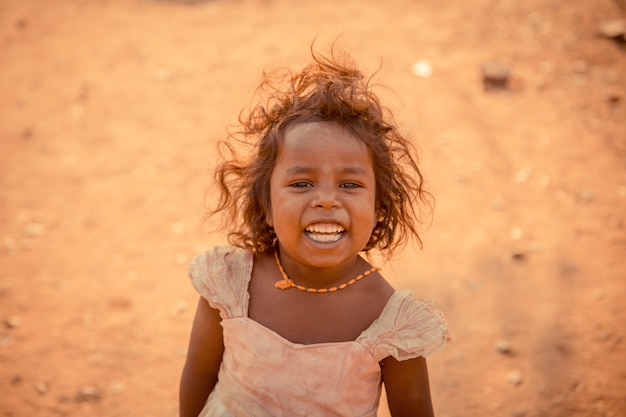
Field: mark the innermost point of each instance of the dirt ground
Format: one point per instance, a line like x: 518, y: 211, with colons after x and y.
x: 109, y: 115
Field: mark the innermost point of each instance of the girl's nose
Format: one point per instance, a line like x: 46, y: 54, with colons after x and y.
x: 326, y: 197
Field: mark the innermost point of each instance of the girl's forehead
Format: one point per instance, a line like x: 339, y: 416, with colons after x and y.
x: 323, y: 147
x: 320, y: 135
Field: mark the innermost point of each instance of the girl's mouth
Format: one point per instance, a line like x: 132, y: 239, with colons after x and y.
x: 325, y: 232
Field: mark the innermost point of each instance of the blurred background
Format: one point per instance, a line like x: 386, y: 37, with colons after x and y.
x: 109, y: 116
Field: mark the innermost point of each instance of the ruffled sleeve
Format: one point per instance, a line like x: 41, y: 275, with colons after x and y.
x: 221, y: 276
x: 407, y: 328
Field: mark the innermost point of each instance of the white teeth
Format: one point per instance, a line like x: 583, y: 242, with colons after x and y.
x: 324, y: 232
x: 324, y: 228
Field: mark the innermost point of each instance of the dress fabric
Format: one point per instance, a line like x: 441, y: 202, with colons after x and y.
x: 263, y: 374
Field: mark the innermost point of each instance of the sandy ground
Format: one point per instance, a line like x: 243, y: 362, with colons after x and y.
x: 109, y: 114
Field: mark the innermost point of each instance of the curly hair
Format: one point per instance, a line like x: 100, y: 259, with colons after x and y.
x: 328, y: 89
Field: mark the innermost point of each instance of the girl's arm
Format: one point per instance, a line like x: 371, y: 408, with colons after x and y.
x: 204, y: 357
x: 407, y: 387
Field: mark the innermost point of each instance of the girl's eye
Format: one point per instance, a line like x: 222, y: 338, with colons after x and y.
x: 349, y: 185
x: 301, y: 184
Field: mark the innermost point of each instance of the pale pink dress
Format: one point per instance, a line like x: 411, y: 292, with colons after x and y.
x: 263, y: 374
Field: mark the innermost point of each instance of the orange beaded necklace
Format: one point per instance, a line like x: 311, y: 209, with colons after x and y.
x: 286, y: 282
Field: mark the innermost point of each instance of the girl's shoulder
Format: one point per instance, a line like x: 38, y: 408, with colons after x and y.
x: 407, y: 328
x: 221, y: 276
x: 223, y: 261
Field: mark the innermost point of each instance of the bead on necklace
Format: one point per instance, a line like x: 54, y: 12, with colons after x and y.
x: 286, y: 282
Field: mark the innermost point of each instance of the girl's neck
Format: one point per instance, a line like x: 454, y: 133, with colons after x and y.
x: 321, y: 277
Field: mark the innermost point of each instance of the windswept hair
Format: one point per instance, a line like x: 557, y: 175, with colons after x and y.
x: 328, y: 89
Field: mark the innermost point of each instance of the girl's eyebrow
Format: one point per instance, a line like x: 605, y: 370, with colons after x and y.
x: 354, y: 170
x: 299, y: 169
x: 303, y: 169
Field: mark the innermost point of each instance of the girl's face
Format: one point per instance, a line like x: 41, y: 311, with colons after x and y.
x: 323, y: 195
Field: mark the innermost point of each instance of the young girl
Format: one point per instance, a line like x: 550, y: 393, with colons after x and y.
x: 292, y: 320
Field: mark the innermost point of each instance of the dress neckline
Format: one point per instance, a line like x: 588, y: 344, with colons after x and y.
x: 397, y: 294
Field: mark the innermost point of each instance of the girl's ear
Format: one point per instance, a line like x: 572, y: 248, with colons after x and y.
x: 379, y: 213
x: 268, y: 218
x: 380, y: 216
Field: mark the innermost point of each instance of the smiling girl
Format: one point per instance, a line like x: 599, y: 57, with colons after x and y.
x: 292, y: 320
